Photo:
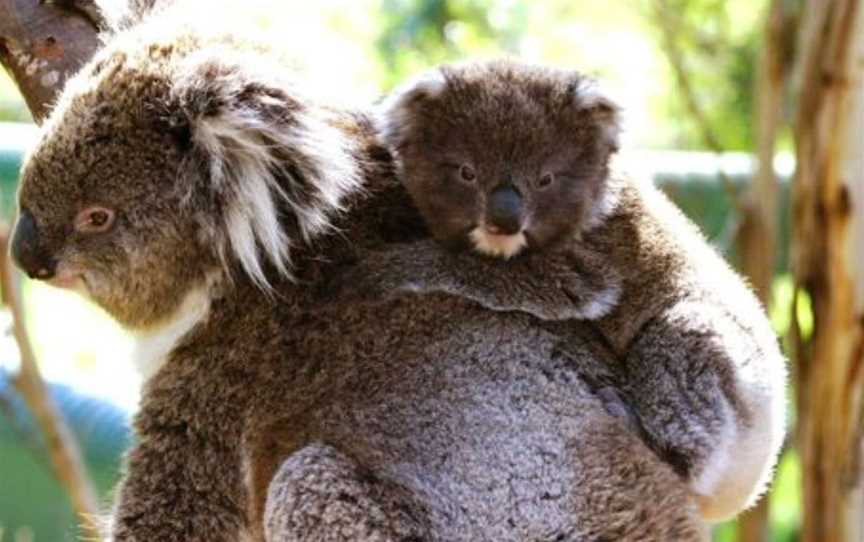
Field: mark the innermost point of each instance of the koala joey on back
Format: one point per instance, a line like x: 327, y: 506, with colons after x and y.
x: 514, y: 162
x: 190, y: 187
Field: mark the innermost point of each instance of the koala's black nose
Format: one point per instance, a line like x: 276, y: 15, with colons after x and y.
x: 27, y: 250
x: 504, y: 211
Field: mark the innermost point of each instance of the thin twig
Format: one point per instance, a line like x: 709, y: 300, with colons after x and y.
x: 24, y: 433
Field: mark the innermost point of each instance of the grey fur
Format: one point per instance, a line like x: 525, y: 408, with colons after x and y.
x: 547, y: 289
x: 697, y: 359
x: 288, y: 413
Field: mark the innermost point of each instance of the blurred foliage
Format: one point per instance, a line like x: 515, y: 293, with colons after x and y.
x: 719, y: 41
x: 363, y: 47
x: 416, y: 34
x: 704, y: 199
x: 11, y: 105
x: 30, y: 497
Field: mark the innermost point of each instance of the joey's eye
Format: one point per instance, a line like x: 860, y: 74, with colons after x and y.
x: 545, y: 181
x: 467, y: 174
x: 94, y: 220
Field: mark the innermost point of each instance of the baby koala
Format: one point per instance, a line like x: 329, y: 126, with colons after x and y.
x: 514, y: 161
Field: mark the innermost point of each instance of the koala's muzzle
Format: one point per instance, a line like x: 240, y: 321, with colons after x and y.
x: 504, y: 211
x: 28, y: 252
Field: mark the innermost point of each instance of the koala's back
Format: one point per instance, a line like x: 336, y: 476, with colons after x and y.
x: 663, y: 259
x: 666, y: 264
x: 692, y: 340
x: 479, y: 416
x: 479, y: 425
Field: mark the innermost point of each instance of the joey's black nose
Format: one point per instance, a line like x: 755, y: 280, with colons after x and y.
x: 28, y: 253
x: 504, y: 211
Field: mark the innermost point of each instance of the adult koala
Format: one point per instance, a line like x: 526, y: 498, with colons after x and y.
x: 211, y: 206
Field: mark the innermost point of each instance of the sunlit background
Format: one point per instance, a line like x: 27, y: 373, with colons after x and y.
x: 356, y: 50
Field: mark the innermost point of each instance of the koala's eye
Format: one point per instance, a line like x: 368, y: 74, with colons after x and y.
x: 467, y: 173
x: 545, y: 181
x: 94, y: 220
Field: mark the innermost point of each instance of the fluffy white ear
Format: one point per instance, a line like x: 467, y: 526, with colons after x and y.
x: 395, y: 113
x: 591, y: 99
x: 271, y: 157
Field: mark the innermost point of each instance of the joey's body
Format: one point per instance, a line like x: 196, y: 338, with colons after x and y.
x: 516, y: 162
x: 689, y: 332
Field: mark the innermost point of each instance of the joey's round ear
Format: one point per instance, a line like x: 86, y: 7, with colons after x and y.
x: 396, y: 113
x: 595, y: 104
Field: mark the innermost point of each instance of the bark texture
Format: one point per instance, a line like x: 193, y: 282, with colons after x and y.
x: 757, y: 236
x: 828, y: 254
x: 43, y: 43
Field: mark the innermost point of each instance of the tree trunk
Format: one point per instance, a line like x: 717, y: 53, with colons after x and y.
x: 828, y: 258
x: 757, y: 236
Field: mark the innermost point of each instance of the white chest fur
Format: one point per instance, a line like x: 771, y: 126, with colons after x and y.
x: 154, y: 344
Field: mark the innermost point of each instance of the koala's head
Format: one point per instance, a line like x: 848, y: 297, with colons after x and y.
x: 501, y: 156
x: 166, y: 163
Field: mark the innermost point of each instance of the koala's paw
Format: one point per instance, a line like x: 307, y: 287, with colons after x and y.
x: 592, y: 286
x: 319, y: 494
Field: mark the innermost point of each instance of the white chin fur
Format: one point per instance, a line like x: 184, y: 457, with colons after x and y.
x: 502, y: 246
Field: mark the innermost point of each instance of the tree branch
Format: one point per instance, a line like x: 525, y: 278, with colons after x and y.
x: 43, y: 43
x: 25, y: 435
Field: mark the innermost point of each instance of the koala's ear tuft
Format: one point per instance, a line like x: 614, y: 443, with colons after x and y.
x: 595, y: 104
x: 271, y: 157
x: 397, y: 112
